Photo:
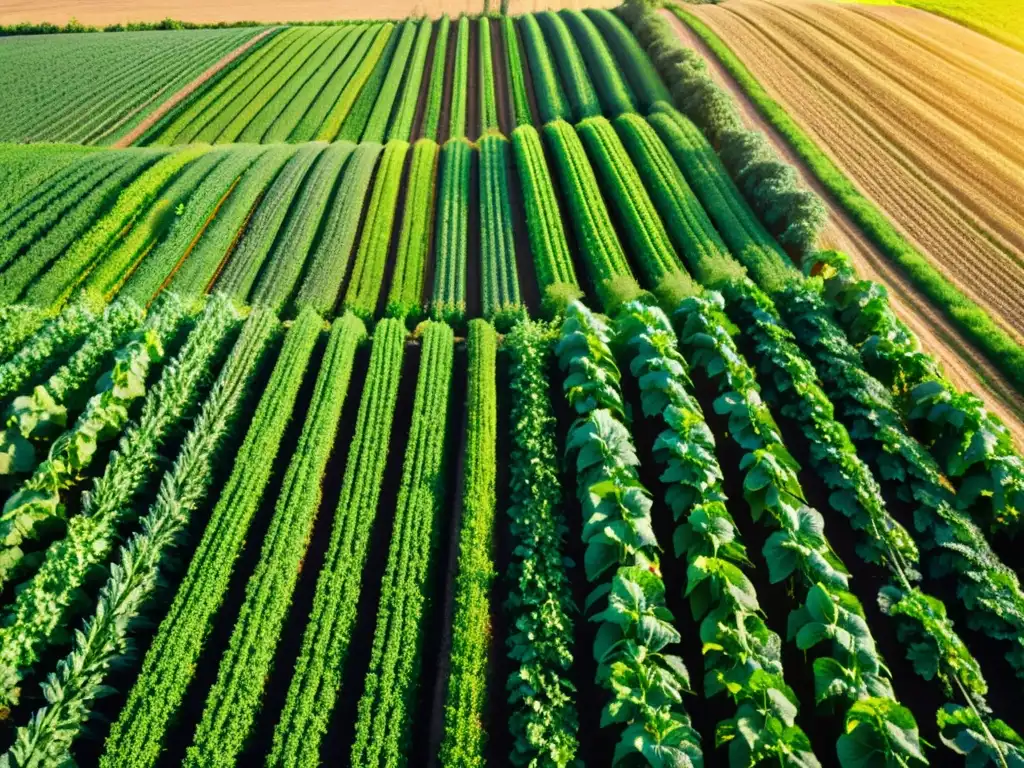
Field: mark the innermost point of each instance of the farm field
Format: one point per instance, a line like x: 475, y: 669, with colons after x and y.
x: 483, y: 390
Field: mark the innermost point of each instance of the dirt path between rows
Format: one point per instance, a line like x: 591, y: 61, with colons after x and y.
x: 965, y: 366
x: 128, y: 139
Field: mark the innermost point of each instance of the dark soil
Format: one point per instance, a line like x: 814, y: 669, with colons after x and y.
x: 421, y: 103
x: 503, y: 96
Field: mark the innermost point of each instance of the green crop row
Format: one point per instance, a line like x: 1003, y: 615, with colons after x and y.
x: 61, y: 237
x: 285, y: 262
x: 466, y: 698
x: 337, y: 66
x: 636, y: 637
x: 354, y: 125
x: 523, y: 115
x: 317, y: 679
x: 82, y: 674
x: 137, y: 737
x: 54, y: 287
x: 327, y: 113
x: 499, y: 279
x: 187, y: 227
x: 206, y: 258
x: 543, y: 720
x: 38, y: 619
x: 329, y: 262
x: 485, y: 80
x: 642, y: 227
x: 405, y: 110
x: 36, y: 505
x: 106, y: 279
x: 552, y: 259
x: 384, y: 713
x: 414, y: 240
x: 377, y: 123
x: 572, y: 70
x: 365, y: 285
x: 234, y: 701
x: 612, y: 89
x: 460, y: 82
x: 630, y: 57
x: 17, y: 324
x: 262, y: 228
x: 551, y: 101
x: 451, y: 247
x: 595, y: 235
x: 435, y: 92
x: 25, y: 170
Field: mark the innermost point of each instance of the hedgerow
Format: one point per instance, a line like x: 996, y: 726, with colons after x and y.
x: 364, y: 286
x: 377, y: 124
x: 551, y: 101
x: 522, y: 114
x: 405, y: 299
x: 451, y: 245
x: 466, y: 696
x: 327, y: 113
x: 285, y: 262
x: 234, y: 700
x: 38, y: 617
x: 104, y: 637
x: 325, y: 641
x: 405, y: 109
x: 499, y: 277
x: 613, y: 91
x: 544, y: 721
x: 355, y: 122
x: 329, y: 262
x: 595, y: 234
x: 572, y: 70
x: 485, y: 80
x: 636, y: 65
x: 197, y: 273
x: 435, y: 92
x: 137, y: 737
x: 551, y: 257
x: 460, y: 82
x: 384, y: 712
x: 262, y: 229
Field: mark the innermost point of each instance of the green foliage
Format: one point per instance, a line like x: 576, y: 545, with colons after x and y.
x: 630, y: 57
x: 287, y: 258
x: 614, y: 93
x: 326, y: 639
x: 551, y: 101
x: 329, y: 261
x: 523, y: 115
x: 551, y: 257
x: 365, y: 287
x: 498, y: 275
x: 194, y: 277
x: 364, y: 97
x: 466, y: 697
x: 485, y: 80
x: 406, y: 297
x: 405, y: 111
x: 435, y: 91
x: 543, y: 720
x: 136, y: 738
x: 234, y: 700
x: 104, y: 636
x: 572, y: 70
x: 648, y: 241
x: 38, y: 619
x: 460, y: 82
x: 377, y: 123
x: 262, y: 228
x: 17, y: 323
x: 389, y: 692
x: 595, y: 234
x: 452, y: 240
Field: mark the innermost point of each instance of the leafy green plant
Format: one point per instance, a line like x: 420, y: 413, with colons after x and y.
x: 377, y: 123
x: 364, y: 88
x: 630, y: 57
x: 435, y: 90
x: 613, y: 91
x: 499, y: 276
x: 405, y: 108
x: 579, y: 90
x: 460, y: 82
x: 551, y: 101
x: 523, y: 114
x: 485, y: 80
x: 405, y: 300
x: 451, y: 245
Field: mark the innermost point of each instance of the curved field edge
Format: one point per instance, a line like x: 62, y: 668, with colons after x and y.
x: 976, y: 325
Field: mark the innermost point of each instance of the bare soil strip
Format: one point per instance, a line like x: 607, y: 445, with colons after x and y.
x: 128, y: 139
x: 964, y: 365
